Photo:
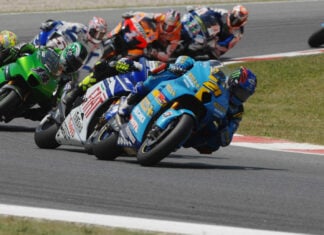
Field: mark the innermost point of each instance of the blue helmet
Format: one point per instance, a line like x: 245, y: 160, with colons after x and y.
x: 184, y: 62
x: 241, y: 84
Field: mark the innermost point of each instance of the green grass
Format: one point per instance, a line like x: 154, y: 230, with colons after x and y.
x: 289, y: 100
x: 22, y: 226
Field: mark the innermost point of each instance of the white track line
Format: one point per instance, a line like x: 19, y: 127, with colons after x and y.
x: 129, y: 222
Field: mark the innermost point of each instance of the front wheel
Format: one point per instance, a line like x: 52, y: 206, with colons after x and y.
x: 104, y: 144
x: 9, y: 101
x: 317, y: 38
x: 45, y: 133
x: 160, y: 143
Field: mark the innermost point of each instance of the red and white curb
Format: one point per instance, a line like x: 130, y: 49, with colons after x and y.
x: 276, y: 144
x: 276, y: 56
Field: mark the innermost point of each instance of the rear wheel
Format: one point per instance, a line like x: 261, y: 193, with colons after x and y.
x: 160, y: 143
x: 45, y: 133
x: 317, y: 38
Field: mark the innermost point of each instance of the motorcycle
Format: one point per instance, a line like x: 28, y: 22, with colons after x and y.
x: 51, y: 35
x: 163, y: 120
x: 28, y: 82
x: 317, y: 38
x: 130, y: 37
x: 57, y: 128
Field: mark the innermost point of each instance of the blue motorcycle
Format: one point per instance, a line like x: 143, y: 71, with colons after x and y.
x: 51, y: 35
x: 163, y: 120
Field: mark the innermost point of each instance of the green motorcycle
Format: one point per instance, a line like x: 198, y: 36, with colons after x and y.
x: 29, y: 82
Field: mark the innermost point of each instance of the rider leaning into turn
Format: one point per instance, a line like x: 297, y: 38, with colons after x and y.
x: 222, y: 29
x: 63, y: 64
x: 93, y: 37
x: 167, y: 30
x: 241, y: 85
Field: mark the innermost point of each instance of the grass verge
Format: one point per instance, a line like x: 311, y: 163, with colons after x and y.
x: 10, y: 225
x: 289, y: 100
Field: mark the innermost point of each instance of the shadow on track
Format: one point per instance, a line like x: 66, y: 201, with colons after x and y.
x: 171, y: 164
x: 195, y: 165
x: 12, y: 128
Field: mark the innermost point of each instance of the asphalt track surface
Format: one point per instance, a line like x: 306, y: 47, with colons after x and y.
x: 236, y: 186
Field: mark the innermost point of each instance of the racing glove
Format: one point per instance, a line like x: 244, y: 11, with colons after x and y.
x: 87, y: 82
x: 8, y: 55
x: 124, y: 65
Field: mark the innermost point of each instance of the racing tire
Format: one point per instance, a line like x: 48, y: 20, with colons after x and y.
x: 88, y: 148
x: 316, y: 39
x: 149, y: 155
x: 44, y: 135
x: 9, y: 101
x: 104, y: 145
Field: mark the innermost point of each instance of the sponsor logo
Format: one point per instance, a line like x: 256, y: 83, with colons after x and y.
x: 96, y: 98
x: 71, y: 127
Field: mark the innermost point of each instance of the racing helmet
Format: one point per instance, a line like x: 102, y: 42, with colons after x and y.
x: 184, y: 62
x: 241, y: 84
x: 97, y: 29
x: 238, y: 16
x: 73, y: 57
x: 7, y: 39
x: 171, y: 21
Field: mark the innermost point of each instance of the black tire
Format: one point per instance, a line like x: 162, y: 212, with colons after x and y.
x: 9, y: 101
x: 44, y: 135
x: 317, y: 38
x: 104, y: 145
x: 91, y: 140
x: 94, y: 122
x: 88, y: 147
x: 151, y: 155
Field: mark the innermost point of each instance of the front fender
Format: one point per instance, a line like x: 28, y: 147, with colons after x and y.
x: 170, y: 114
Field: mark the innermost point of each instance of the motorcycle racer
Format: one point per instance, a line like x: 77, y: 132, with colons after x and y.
x: 241, y: 84
x: 212, y: 31
x: 58, y: 34
x: 167, y: 32
x: 63, y: 64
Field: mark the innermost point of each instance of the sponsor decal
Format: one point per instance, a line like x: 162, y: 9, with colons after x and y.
x: 71, y: 127
x: 138, y: 114
x: 147, y: 107
x: 170, y: 89
x: 219, y: 109
x: 96, y: 98
x: 167, y: 114
x: 159, y: 97
x: 77, y: 121
x: 134, y: 124
x: 192, y: 80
